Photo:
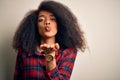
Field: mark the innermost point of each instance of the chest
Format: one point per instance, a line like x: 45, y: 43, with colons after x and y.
x: 37, y: 63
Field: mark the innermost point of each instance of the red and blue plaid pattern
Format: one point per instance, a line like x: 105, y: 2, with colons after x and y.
x: 32, y: 66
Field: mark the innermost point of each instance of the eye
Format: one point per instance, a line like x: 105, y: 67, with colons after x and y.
x: 41, y: 19
x: 53, y: 19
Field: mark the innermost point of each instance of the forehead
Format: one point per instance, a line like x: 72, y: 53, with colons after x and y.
x: 45, y: 13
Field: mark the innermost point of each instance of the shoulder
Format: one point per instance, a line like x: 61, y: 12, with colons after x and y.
x: 73, y: 50
x: 69, y: 51
x: 21, y: 52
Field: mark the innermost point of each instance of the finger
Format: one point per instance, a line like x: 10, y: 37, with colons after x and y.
x: 44, y: 46
x: 41, y: 46
x: 52, y: 47
x: 57, y: 46
x: 40, y: 49
x: 47, y: 46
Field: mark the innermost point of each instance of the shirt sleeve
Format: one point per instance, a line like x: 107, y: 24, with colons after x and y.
x: 64, y: 70
x: 18, y: 73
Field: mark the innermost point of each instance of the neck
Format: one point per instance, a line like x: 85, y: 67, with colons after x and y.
x: 49, y: 41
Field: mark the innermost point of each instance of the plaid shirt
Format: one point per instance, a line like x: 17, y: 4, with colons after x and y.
x: 32, y: 66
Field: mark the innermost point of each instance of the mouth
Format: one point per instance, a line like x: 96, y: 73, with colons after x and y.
x: 47, y: 28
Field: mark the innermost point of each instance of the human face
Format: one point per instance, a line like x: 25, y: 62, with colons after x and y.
x: 47, y: 25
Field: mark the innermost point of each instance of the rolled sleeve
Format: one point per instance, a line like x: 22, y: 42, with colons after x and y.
x: 64, y: 70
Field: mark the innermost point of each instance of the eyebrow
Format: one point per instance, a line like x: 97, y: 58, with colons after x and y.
x: 44, y: 16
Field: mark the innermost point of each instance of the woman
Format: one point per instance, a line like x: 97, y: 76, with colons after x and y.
x: 47, y: 41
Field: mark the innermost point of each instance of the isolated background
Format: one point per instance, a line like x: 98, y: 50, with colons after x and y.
x: 100, y: 20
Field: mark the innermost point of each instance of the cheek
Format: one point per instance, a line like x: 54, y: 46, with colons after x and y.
x: 55, y: 30
x: 39, y: 25
x: 40, y: 29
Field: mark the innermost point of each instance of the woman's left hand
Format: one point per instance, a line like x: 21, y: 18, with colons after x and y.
x: 46, y: 48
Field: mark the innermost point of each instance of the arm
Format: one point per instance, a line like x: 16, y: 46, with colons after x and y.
x: 18, y: 73
x: 64, y: 70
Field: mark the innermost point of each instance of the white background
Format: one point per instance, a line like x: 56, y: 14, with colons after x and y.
x: 100, y: 20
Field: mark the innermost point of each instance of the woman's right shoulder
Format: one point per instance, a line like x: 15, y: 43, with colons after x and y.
x: 20, y: 52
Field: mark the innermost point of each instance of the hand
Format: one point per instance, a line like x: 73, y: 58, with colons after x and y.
x: 46, y: 49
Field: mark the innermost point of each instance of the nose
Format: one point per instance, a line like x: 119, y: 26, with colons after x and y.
x: 47, y: 22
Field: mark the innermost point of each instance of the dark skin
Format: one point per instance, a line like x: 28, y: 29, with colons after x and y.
x: 47, y: 27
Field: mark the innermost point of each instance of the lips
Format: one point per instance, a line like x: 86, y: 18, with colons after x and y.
x: 47, y: 28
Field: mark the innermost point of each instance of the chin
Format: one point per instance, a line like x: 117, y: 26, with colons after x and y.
x: 49, y: 36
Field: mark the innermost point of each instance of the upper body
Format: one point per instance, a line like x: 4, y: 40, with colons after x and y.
x: 33, y: 67
x: 47, y: 42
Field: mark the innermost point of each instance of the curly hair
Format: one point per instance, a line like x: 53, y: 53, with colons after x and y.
x: 69, y: 33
